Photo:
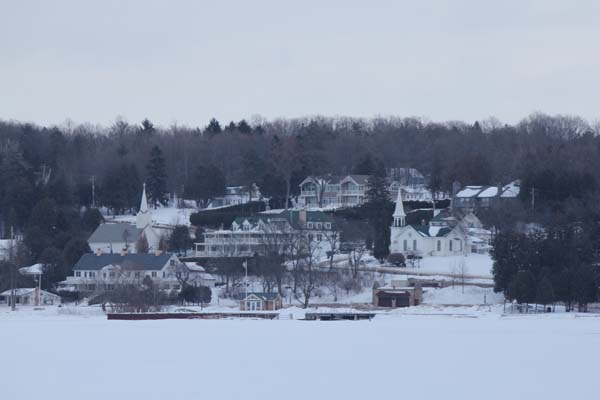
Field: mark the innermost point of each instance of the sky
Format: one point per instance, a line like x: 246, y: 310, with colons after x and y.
x: 184, y: 62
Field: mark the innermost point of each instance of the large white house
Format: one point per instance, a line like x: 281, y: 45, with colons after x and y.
x: 115, y: 237
x: 333, y: 191
x: 100, y: 272
x: 425, y: 240
x: 270, y: 232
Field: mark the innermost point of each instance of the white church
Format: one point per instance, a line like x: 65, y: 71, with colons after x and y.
x: 425, y: 240
x: 119, y: 237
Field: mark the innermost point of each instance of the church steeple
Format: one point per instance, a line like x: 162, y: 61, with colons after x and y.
x: 399, y: 215
x: 143, y: 218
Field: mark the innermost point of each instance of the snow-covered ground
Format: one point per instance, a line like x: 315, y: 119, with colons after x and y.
x: 470, y: 355
x: 162, y: 215
x: 459, y: 295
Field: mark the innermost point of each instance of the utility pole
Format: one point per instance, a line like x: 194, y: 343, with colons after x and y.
x: 93, y: 179
x: 13, y: 271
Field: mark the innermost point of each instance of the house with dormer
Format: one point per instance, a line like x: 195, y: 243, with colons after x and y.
x: 99, y: 272
x: 260, y: 233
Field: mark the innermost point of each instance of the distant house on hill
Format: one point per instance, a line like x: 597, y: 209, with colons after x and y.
x: 115, y: 237
x: 476, y: 197
x: 236, y: 195
x: 333, y: 191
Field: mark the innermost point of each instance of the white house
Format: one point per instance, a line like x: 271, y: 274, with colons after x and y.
x: 114, y: 237
x: 333, y: 191
x: 236, y: 195
x: 27, y: 296
x: 100, y: 272
x: 425, y: 240
x: 268, y: 232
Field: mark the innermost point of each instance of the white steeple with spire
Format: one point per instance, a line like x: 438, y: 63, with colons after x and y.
x: 144, y: 216
x: 399, y: 215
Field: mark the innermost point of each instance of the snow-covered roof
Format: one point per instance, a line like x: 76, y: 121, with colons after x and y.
x: 26, y: 291
x: 192, y: 266
x: 510, y: 190
x: 35, y: 269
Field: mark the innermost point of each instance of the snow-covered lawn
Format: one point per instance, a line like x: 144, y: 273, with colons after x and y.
x: 459, y: 295
x: 163, y: 216
x: 398, y: 355
x: 476, y: 264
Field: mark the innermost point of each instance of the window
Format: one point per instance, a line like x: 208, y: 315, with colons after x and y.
x: 154, y: 274
x: 164, y: 274
x: 439, y: 245
x: 309, y: 225
x: 92, y: 274
x: 327, y: 225
x: 405, y: 245
x: 310, y: 237
x: 450, y: 245
x: 137, y: 274
x: 172, y: 262
x: 111, y: 274
x: 414, y: 244
x: 85, y: 274
x: 319, y: 226
x: 78, y: 273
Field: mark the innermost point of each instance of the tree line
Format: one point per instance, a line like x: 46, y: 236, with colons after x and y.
x: 65, y: 170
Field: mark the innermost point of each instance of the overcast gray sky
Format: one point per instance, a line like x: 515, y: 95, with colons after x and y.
x: 187, y: 61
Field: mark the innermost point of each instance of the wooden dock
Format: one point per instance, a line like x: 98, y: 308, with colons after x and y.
x: 194, y: 315
x: 338, y: 316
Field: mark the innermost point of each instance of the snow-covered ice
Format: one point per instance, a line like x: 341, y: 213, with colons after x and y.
x: 478, y: 355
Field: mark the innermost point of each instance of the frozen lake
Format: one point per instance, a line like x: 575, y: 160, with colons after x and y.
x: 470, y: 357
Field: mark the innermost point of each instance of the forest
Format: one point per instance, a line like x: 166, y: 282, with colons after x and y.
x: 53, y: 178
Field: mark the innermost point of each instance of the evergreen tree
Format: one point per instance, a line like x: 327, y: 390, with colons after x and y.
x: 156, y: 181
x: 147, y: 128
x: 379, y: 210
x: 545, y: 292
x: 141, y: 246
x: 213, y: 127
x: 180, y: 241
x: 91, y: 219
x: 243, y: 127
x: 522, y: 287
x: 208, y: 182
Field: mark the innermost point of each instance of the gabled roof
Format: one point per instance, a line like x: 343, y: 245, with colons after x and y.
x: 138, y: 261
x: 359, y: 179
x: 510, y: 190
x: 115, y: 232
x: 26, y: 291
x: 264, y: 296
x: 432, y: 231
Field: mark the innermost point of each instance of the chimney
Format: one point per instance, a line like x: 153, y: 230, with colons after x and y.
x: 157, y: 252
x: 302, y: 217
x: 98, y: 251
x: 500, y: 187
